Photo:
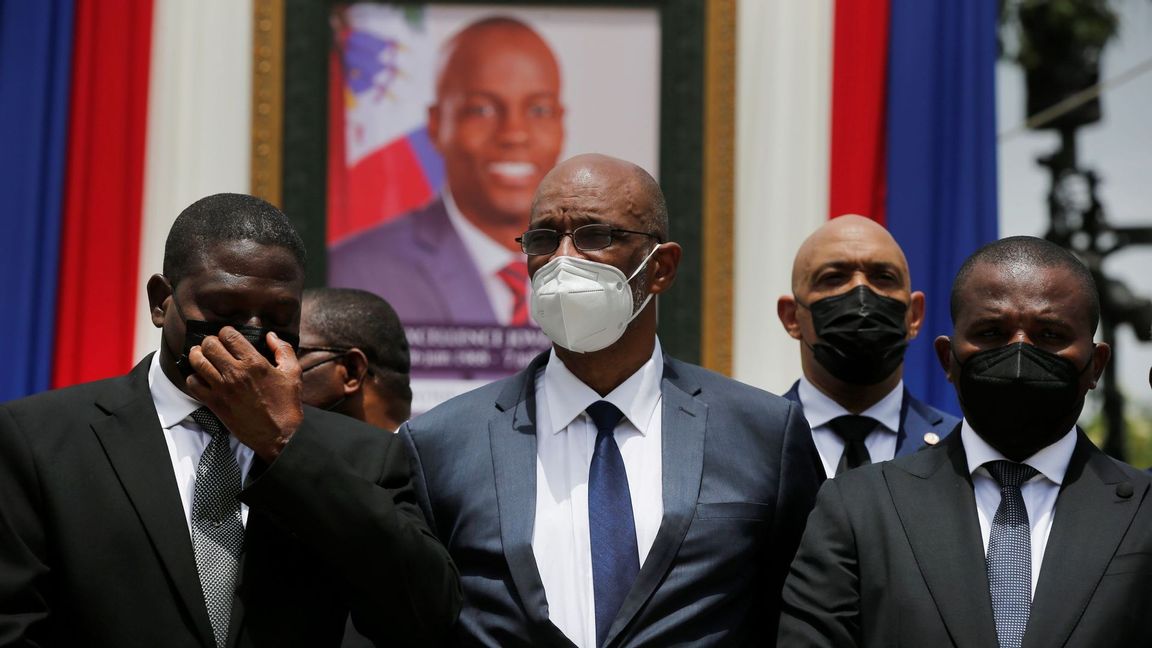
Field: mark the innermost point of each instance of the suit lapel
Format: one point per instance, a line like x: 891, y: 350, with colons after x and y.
x: 934, y: 499
x: 448, y: 264
x: 793, y: 395
x: 915, y: 422
x: 512, y: 432
x: 683, y: 427
x: 911, y: 425
x: 1088, y: 524
x: 132, y: 440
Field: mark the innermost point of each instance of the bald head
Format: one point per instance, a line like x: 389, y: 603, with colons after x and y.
x: 463, y: 55
x: 852, y: 254
x: 843, y: 242
x: 627, y: 187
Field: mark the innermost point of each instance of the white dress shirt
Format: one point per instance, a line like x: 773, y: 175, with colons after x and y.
x: 565, y: 440
x: 488, y: 256
x: 186, y: 440
x: 1039, y: 493
x: 820, y: 409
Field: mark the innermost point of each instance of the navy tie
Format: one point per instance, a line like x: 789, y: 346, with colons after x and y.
x: 1010, y: 554
x: 611, y: 527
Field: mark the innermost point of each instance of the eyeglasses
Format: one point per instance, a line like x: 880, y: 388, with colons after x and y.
x: 586, y: 238
x: 305, y: 350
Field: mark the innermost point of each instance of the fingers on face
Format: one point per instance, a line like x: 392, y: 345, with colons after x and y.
x: 285, y: 354
x: 224, y: 354
x: 235, y: 345
x: 206, y: 374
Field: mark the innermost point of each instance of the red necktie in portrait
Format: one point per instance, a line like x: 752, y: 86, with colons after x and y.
x: 515, y: 276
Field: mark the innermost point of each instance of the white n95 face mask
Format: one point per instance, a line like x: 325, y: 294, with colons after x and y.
x: 583, y: 305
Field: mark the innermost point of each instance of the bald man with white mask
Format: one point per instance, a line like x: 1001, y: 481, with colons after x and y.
x: 853, y: 310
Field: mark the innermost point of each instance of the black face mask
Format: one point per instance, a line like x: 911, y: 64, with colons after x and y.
x: 196, y: 330
x: 1020, y: 396
x: 862, y: 335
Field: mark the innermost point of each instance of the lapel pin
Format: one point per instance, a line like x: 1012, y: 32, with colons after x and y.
x: 1124, y: 489
x: 931, y: 438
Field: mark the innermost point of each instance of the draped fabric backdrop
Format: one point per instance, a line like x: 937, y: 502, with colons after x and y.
x: 116, y: 114
x: 35, y: 59
x: 909, y: 141
x: 104, y: 188
x: 942, y: 202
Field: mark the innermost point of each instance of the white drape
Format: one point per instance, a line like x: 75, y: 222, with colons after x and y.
x: 784, y: 67
x: 199, y: 122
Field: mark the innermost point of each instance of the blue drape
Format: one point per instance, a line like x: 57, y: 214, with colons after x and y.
x: 35, y: 66
x: 941, y: 151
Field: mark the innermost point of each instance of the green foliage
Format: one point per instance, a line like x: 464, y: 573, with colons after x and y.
x: 1138, y: 437
x: 1043, y: 28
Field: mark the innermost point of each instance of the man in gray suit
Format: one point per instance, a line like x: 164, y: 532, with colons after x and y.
x: 456, y: 261
x: 610, y: 495
x: 1014, y: 531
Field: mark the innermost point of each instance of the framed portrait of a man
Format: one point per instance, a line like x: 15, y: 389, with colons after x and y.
x: 437, y: 122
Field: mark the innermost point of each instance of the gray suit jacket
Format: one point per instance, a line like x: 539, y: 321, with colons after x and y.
x: 738, y: 484
x: 419, y: 264
x: 893, y: 556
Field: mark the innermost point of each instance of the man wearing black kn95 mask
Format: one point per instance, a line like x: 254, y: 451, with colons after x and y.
x: 1014, y: 531
x: 853, y: 310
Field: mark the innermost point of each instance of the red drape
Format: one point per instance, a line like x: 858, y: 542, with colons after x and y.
x: 98, y: 283
x: 859, y: 55
x: 337, y: 159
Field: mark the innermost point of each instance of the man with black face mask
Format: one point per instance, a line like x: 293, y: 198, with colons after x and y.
x: 1015, y: 531
x: 195, y: 501
x: 854, y: 312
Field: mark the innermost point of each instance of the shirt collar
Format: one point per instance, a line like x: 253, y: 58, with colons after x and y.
x: 637, y: 397
x: 819, y: 408
x: 1051, y: 460
x: 489, y: 256
x: 172, y: 405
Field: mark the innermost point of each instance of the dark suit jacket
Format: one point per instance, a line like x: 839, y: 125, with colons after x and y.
x: 893, y: 557
x: 419, y: 264
x: 95, y: 548
x: 917, y: 418
x: 738, y: 484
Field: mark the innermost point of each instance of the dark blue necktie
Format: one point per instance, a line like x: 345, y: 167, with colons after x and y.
x: 1010, y: 554
x: 611, y: 527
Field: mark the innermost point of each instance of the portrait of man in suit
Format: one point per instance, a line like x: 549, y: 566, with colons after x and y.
x: 853, y: 310
x: 497, y: 122
x: 1014, y: 531
x: 195, y: 501
x: 609, y: 494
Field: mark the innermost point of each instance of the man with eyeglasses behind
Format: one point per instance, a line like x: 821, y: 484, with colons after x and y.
x: 354, y: 356
x: 610, y: 495
x: 354, y: 361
